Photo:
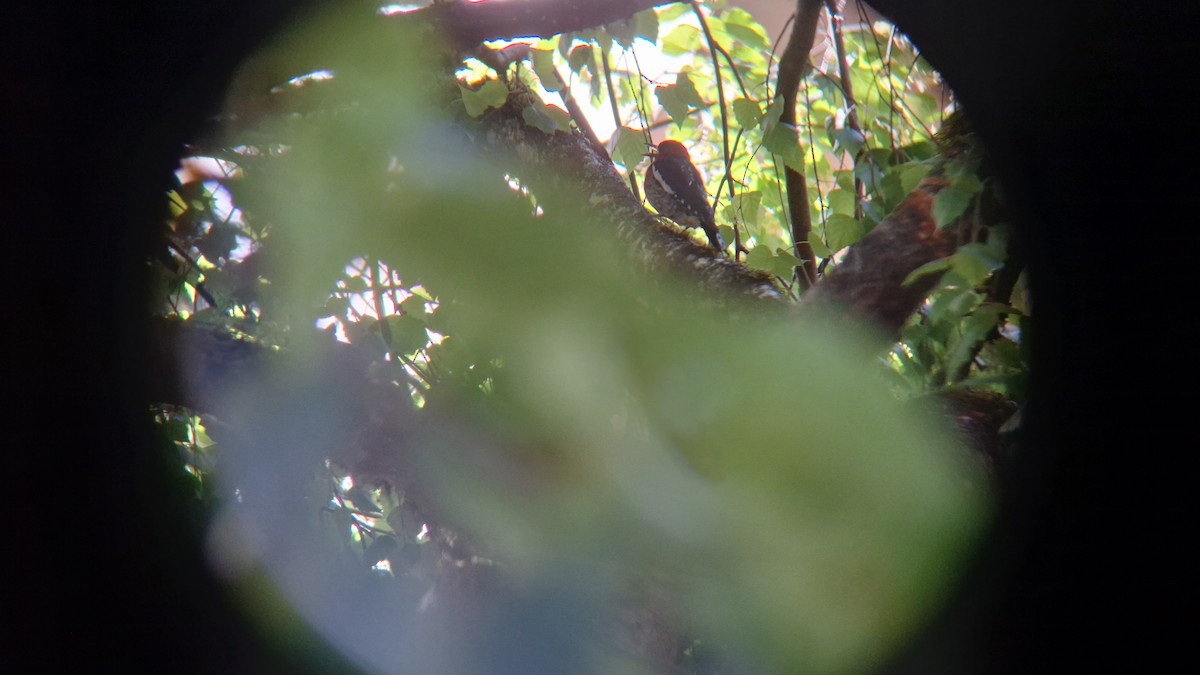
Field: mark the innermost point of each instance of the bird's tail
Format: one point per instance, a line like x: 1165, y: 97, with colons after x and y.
x: 714, y: 237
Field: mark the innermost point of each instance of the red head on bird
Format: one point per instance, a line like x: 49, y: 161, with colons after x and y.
x: 671, y: 149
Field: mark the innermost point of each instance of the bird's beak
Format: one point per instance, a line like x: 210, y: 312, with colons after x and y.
x: 653, y: 152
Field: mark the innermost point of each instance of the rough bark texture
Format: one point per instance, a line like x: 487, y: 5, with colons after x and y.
x: 469, y: 23
x: 566, y: 165
x: 869, y: 282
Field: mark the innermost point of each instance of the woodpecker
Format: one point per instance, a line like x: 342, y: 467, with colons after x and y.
x: 676, y: 190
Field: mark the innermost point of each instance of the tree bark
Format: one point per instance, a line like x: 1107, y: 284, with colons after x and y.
x: 564, y: 165
x: 793, y: 67
x: 469, y: 23
x: 870, y: 281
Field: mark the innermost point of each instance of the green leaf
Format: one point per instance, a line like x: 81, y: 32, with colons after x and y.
x: 565, y: 42
x: 932, y: 267
x: 623, y: 31
x: 646, y: 25
x: 726, y: 232
x: 974, y: 262
x: 747, y: 206
x: 743, y: 28
x: 950, y: 203
x: 747, y: 113
x: 921, y: 150
x: 669, y: 98
x: 683, y: 39
x: 420, y: 292
x: 604, y: 40
x: 719, y: 35
x: 781, y: 139
x: 911, y: 174
x: 543, y: 67
x: 819, y: 248
x: 687, y: 90
x: 562, y: 118
x: 535, y: 116
x: 842, y: 230
x: 631, y: 147
x: 408, y: 333
x: 973, y: 329
x: 869, y: 172
x: 849, y: 140
x: 784, y: 262
x: 841, y: 201
x: 672, y: 11
x: 492, y: 94
x: 580, y: 57
x: 760, y: 258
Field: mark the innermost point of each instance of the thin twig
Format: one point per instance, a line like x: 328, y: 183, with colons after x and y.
x: 639, y: 96
x: 887, y: 65
x: 737, y: 75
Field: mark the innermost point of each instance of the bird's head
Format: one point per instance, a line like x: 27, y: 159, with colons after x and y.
x: 670, y: 149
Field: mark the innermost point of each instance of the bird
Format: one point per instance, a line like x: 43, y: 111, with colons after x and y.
x: 676, y: 190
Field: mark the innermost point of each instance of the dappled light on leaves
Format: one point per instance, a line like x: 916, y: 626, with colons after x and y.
x: 483, y: 441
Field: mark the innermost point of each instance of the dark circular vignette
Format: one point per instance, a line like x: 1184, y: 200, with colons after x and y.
x: 1082, y: 569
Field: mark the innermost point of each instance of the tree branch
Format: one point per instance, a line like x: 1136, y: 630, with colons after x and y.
x: 870, y: 282
x: 563, y: 169
x: 468, y: 23
x: 793, y: 67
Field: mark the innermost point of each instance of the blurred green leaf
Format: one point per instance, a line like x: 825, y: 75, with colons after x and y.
x: 668, y: 98
x: 742, y: 27
x: 491, y: 94
x: 631, y: 147
x: 782, y: 139
x: 580, y: 57
x: 747, y: 205
x: 932, y: 267
x: 812, y: 527
x: 950, y: 203
x: 543, y: 67
x: 842, y: 230
x: 686, y: 89
x: 974, y: 262
x: 760, y: 258
x: 408, y: 333
x: 841, y: 201
x: 540, y: 117
x: 848, y: 139
x: 818, y: 246
x: 747, y: 113
x: 672, y: 11
x: 646, y: 25
x: 681, y: 40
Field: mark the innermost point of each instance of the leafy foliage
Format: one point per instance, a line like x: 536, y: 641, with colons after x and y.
x: 801, y: 525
